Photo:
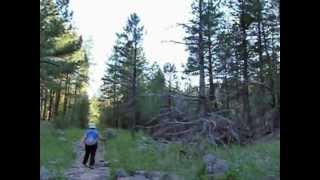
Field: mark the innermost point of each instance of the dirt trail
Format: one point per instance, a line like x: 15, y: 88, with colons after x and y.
x: 79, y: 172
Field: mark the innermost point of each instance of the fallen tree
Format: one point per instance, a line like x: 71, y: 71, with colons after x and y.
x: 177, y: 123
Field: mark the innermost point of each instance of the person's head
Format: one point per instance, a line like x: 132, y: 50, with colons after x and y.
x: 92, y: 125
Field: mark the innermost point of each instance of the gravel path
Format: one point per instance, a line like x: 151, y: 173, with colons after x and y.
x: 79, y: 172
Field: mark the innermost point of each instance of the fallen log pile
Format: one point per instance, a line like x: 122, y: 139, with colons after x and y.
x: 171, y: 125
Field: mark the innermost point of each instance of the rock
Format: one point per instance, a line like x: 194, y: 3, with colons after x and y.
x: 110, y: 133
x: 142, y: 147
x: 124, y: 178
x: 161, y: 147
x: 220, y: 167
x: 271, y: 178
x: 155, y: 178
x: 63, y: 139
x: 170, y: 176
x: 104, y: 163
x: 215, y: 166
x: 60, y: 132
x: 209, y: 158
x: 53, y: 162
x: 140, y: 173
x: 155, y: 175
x: 121, y: 173
x: 44, y: 173
x: 139, y: 177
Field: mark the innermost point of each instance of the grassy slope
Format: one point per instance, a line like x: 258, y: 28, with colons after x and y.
x: 246, y: 163
x: 53, y: 149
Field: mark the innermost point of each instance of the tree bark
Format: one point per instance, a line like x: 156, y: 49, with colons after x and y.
x: 210, y: 44
x: 117, y: 117
x: 115, y: 123
x: 56, y: 109
x: 245, y: 87
x: 227, y: 102
x: 66, y: 94
x: 202, y: 98
x: 134, y: 117
x: 51, y: 105
x: 212, y: 96
x: 261, y: 64
x: 41, y: 100
x: 44, y: 111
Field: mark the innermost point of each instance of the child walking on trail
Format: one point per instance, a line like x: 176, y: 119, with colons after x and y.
x: 90, y: 140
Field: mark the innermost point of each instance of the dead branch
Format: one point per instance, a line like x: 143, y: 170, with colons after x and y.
x: 260, y: 84
x: 177, y: 42
x: 179, y: 133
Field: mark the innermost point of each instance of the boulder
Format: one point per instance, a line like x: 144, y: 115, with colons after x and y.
x: 44, y: 173
x: 170, y: 176
x: 161, y: 147
x: 139, y: 177
x: 110, y: 133
x: 215, y: 166
x: 271, y: 178
x: 60, y: 132
x: 53, y: 162
x: 121, y: 173
x: 140, y: 172
x: 209, y: 158
x: 155, y: 175
x: 63, y: 139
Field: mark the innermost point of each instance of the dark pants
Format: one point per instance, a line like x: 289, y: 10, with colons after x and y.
x: 90, y: 150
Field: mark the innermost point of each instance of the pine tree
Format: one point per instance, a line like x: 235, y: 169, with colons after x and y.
x: 196, y: 46
x: 125, y: 70
x: 170, y: 71
x: 212, y: 20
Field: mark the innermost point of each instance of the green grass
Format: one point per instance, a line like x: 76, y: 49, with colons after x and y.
x: 53, y: 149
x: 245, y: 162
x: 254, y: 161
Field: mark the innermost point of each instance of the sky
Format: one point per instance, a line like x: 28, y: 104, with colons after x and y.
x: 99, y: 20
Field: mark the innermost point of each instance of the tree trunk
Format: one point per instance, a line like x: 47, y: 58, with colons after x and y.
x: 227, y: 105
x: 211, y: 85
x: 51, y: 105
x: 56, y: 109
x: 114, y: 120
x: 245, y: 87
x: 41, y: 100
x: 66, y: 94
x: 72, y: 106
x: 117, y: 117
x: 261, y: 64
x: 75, y: 94
x: 273, y: 73
x: 134, y: 117
x: 169, y: 95
x: 44, y: 111
x: 71, y: 97
x: 202, y: 98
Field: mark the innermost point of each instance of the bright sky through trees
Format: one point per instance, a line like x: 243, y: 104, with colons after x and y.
x: 99, y: 20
